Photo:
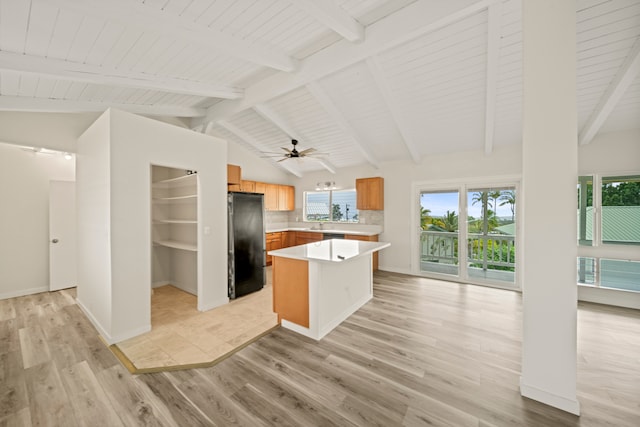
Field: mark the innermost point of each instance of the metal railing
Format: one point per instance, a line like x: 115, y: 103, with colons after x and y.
x: 492, y: 251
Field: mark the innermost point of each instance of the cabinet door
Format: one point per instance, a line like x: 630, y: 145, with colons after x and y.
x: 233, y: 174
x: 370, y: 193
x: 286, y: 201
x: 366, y: 239
x: 248, y: 186
x: 260, y: 187
x: 271, y: 197
x: 303, y: 237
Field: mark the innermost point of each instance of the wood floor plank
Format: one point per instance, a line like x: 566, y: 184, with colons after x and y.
x: 133, y: 400
x: 13, y: 389
x: 422, y: 352
x: 221, y: 409
x: 183, y: 411
x: 87, y: 397
x: 9, y: 337
x: 49, y: 403
x: 34, y: 346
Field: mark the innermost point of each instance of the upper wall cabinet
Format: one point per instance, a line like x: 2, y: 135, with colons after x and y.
x: 276, y: 197
x: 370, y: 194
x: 234, y: 175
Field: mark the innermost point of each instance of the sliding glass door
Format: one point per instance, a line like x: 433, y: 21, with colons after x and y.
x: 468, y: 233
x: 491, y: 234
x: 439, y: 232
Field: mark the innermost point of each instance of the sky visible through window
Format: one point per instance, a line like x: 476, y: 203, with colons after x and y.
x: 440, y: 203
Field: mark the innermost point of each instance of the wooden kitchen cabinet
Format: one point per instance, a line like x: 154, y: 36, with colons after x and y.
x: 286, y: 198
x: 234, y: 174
x: 260, y: 187
x: 366, y: 239
x: 279, y: 197
x: 304, y: 237
x: 248, y: 186
x: 370, y: 194
x: 271, y: 197
x: 273, y: 241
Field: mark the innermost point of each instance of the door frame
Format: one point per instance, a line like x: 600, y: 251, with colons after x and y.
x: 462, y: 186
x: 54, y: 187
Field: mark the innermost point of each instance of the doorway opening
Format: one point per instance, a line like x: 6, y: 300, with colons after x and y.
x: 468, y: 233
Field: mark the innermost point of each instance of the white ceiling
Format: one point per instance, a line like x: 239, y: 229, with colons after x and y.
x: 366, y: 81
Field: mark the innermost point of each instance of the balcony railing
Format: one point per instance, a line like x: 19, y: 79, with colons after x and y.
x: 492, y: 251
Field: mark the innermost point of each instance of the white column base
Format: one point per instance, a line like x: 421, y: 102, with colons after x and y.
x: 568, y: 405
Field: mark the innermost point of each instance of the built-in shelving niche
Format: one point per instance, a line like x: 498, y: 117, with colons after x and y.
x: 174, y: 223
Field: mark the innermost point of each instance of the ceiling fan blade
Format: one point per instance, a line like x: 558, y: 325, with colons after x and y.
x: 282, y: 160
x: 286, y: 149
x: 307, y: 151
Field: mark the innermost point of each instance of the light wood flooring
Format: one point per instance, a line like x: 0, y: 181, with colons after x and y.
x: 422, y: 352
x: 183, y: 336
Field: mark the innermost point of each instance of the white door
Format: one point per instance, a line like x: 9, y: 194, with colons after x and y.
x: 62, y: 235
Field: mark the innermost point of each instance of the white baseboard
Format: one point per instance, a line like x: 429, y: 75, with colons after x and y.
x: 108, y: 338
x: 568, y: 405
x: 159, y: 284
x: 23, y: 292
x: 343, y: 316
x: 619, y: 298
x: 214, y: 304
x: 396, y: 270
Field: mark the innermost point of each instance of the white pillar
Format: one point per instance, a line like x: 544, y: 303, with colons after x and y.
x: 549, y: 202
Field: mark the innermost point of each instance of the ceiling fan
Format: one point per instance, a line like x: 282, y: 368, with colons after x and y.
x: 294, y: 153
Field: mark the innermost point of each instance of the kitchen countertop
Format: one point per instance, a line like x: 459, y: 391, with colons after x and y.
x: 334, y: 250
x: 326, y: 230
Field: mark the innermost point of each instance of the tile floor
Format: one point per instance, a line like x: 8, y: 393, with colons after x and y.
x: 182, y: 335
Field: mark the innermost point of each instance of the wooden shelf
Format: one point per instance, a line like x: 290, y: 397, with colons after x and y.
x: 190, y: 197
x: 179, y: 181
x: 176, y: 245
x: 175, y: 221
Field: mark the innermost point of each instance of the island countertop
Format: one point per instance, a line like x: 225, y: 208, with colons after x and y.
x: 334, y: 250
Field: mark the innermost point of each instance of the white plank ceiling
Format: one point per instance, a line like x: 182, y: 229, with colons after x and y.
x: 364, y: 81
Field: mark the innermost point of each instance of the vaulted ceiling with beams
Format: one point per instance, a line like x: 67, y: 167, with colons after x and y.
x: 365, y: 81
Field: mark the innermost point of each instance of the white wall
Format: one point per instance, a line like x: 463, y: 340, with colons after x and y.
x: 24, y: 217
x: 255, y: 168
x: 56, y: 131
x: 93, y: 198
x: 615, y: 152
x: 134, y: 144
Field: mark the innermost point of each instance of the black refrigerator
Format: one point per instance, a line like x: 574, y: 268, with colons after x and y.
x: 246, y: 243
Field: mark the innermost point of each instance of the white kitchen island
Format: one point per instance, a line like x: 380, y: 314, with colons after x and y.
x: 318, y: 285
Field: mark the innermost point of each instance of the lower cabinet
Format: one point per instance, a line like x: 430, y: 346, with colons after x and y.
x: 273, y: 241
x: 366, y: 239
x: 304, y: 237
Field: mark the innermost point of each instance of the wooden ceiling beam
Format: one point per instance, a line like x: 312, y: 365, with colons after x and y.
x: 328, y: 13
x: 408, y: 23
x: 330, y: 107
x: 621, y: 82
x: 493, y: 59
x: 392, y: 105
x: 111, y: 76
x: 48, y: 105
x: 281, y: 123
x: 248, y: 139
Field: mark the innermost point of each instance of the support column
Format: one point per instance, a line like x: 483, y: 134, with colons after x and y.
x: 549, y: 203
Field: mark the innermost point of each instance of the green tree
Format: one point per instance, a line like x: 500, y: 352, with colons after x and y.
x: 337, y: 213
x: 425, y: 218
x: 626, y: 193
x: 483, y: 198
x: 508, y: 197
x: 449, y: 221
x: 495, y: 195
